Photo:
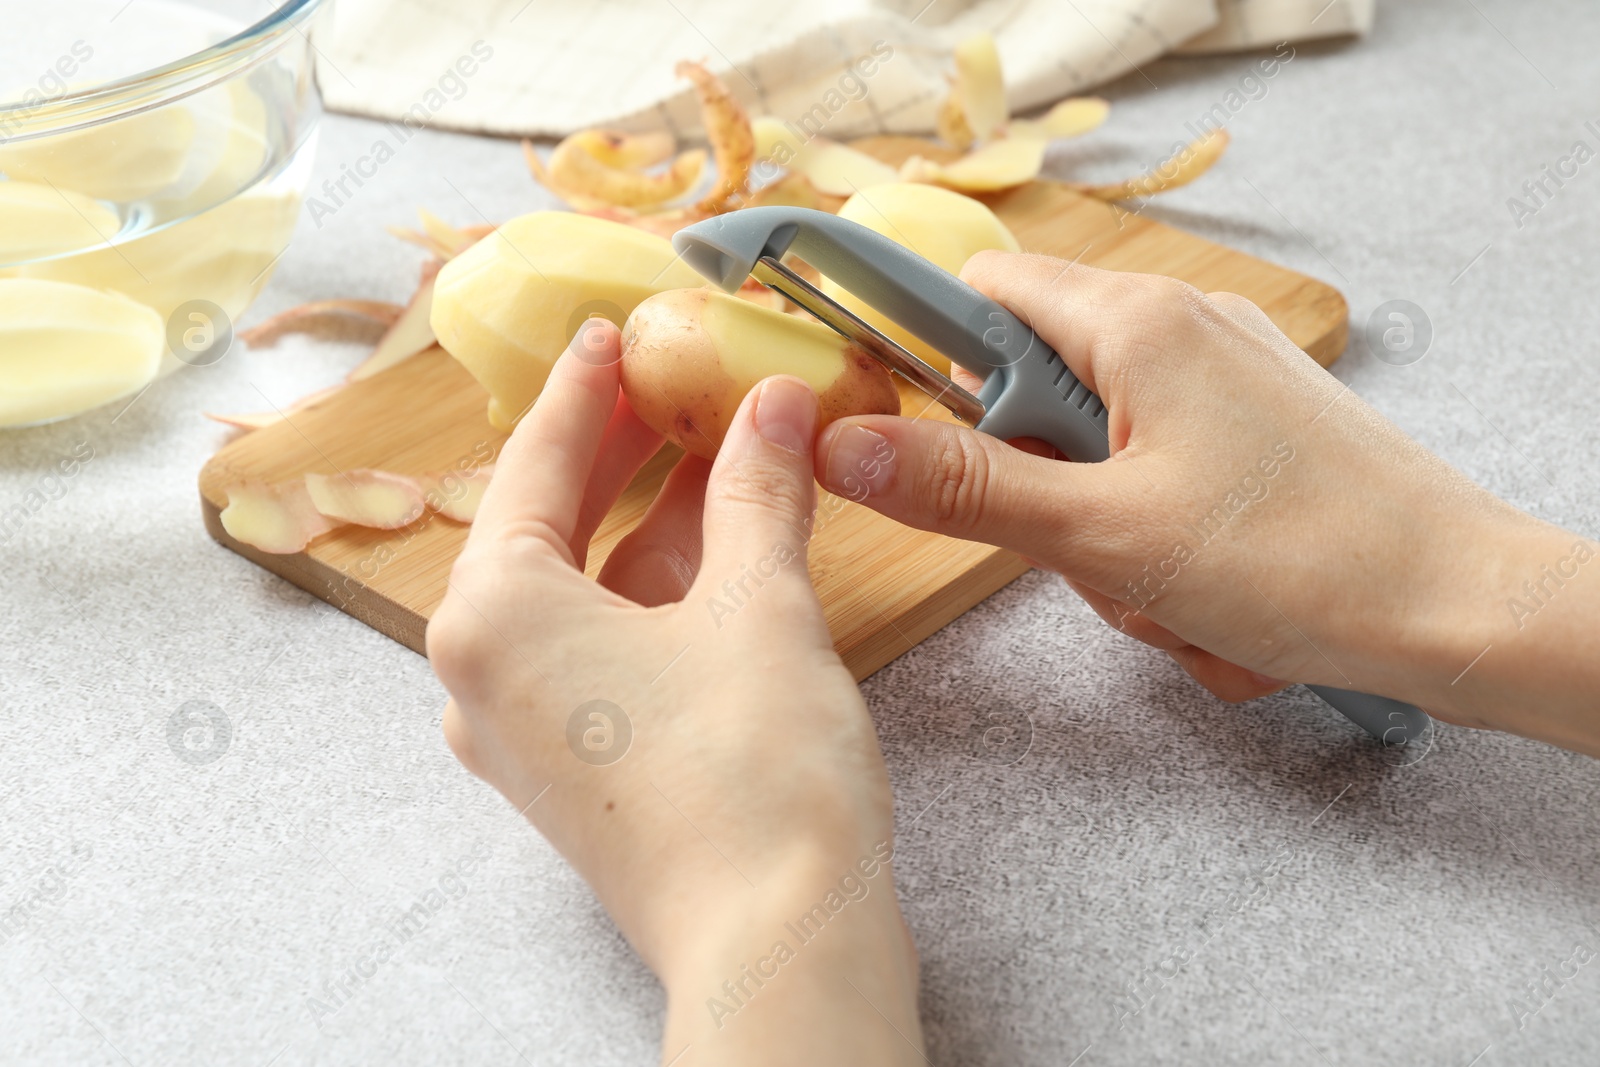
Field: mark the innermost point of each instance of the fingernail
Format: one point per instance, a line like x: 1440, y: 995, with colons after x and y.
x: 860, y: 462
x: 1266, y: 679
x: 786, y: 414
x: 592, y: 343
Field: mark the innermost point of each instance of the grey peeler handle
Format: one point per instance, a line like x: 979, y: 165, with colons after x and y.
x: 1028, y: 391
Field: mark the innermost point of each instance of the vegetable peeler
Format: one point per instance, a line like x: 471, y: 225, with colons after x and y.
x: 1027, y: 391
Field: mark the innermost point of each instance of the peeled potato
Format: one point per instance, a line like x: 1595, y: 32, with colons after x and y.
x: 937, y: 224
x: 508, y: 306
x: 37, y: 222
x: 241, y: 130
x: 124, y: 160
x: 224, y: 255
x: 689, y: 357
x: 67, y: 348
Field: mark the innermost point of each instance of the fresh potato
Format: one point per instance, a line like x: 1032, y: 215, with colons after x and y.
x: 131, y: 158
x: 224, y: 255
x: 508, y: 306
x: 690, y: 356
x: 37, y: 221
x: 68, y: 348
x: 941, y: 226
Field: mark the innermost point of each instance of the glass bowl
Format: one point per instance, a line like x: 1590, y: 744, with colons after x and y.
x: 157, y: 149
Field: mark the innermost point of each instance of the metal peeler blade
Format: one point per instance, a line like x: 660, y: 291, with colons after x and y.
x: 771, y: 272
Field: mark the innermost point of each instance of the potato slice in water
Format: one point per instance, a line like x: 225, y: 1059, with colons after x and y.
x: 279, y: 519
x: 508, y: 306
x: 690, y: 356
x: 940, y: 225
x: 372, y: 498
x: 37, y: 222
x: 225, y: 255
x: 124, y: 160
x: 68, y: 348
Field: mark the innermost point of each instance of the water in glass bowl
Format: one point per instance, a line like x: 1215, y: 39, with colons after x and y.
x: 180, y: 200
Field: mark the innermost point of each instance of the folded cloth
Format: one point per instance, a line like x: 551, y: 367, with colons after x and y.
x: 548, y: 67
x: 1243, y: 24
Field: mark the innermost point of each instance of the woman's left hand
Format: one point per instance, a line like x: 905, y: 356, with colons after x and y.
x: 682, y: 729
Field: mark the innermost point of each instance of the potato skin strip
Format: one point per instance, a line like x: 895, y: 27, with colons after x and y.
x: 1072, y: 117
x: 285, y: 517
x: 457, y: 494
x: 1191, y: 161
x: 372, y: 498
x: 733, y: 142
x: 410, y: 335
x: 307, y: 318
x: 278, y: 519
x: 600, y: 168
x: 997, y: 165
x: 950, y: 122
x: 261, y: 419
x: 980, y: 87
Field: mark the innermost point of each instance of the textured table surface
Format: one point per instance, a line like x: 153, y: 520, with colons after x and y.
x: 1279, y: 890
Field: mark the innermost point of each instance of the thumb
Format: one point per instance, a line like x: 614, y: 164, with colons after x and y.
x: 952, y: 480
x: 760, y: 499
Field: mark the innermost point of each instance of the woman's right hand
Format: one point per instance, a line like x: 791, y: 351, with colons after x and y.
x: 1256, y: 520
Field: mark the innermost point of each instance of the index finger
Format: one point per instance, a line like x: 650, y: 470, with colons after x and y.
x: 540, y: 476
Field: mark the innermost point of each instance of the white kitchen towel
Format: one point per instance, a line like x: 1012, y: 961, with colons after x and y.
x: 1245, y: 24
x: 548, y: 67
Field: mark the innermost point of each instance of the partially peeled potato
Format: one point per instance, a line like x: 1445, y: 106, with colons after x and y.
x: 689, y: 356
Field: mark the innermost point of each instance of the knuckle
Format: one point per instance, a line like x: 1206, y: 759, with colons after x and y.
x: 455, y: 648
x: 981, y: 265
x: 458, y: 736
x: 1163, y: 316
x: 662, y: 566
x: 955, y: 481
x: 1161, y: 298
x: 1231, y: 302
x: 766, y: 488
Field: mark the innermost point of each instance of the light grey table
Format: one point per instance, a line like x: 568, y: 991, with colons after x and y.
x: 1335, y: 906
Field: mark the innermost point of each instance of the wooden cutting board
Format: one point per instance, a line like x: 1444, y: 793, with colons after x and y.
x: 884, y: 587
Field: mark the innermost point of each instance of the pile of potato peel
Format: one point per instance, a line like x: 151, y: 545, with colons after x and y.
x: 285, y: 517
x: 641, y: 181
